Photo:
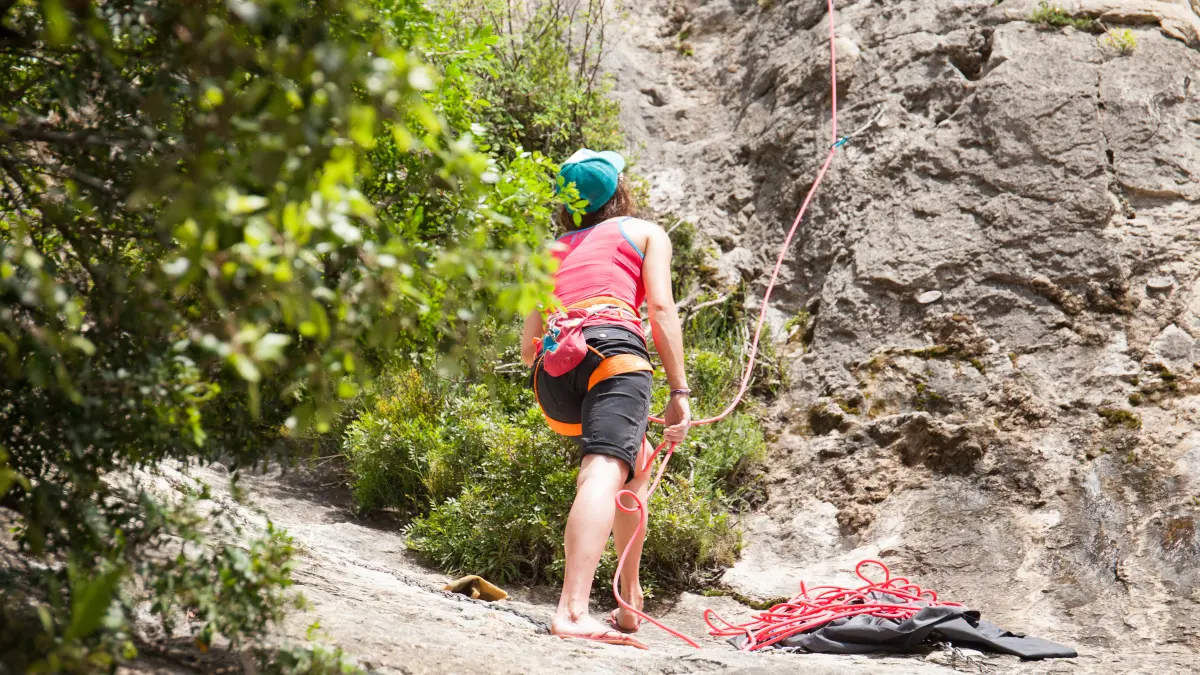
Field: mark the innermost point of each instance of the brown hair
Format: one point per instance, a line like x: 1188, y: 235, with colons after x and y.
x: 620, y: 204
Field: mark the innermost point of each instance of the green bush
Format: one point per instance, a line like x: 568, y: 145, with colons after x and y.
x: 507, y: 521
x: 237, y: 593
x: 507, y: 482
x: 545, y: 88
x: 691, y: 537
x: 724, y: 457
x: 389, y: 447
x: 234, y: 589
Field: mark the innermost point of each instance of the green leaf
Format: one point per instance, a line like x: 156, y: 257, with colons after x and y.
x: 362, y: 125
x: 270, y: 347
x: 347, y: 389
x: 242, y: 204
x: 90, y: 598
x: 245, y: 367
x: 83, y: 344
x: 58, y: 24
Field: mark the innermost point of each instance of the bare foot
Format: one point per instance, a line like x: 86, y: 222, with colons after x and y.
x: 587, y: 628
x: 625, y: 620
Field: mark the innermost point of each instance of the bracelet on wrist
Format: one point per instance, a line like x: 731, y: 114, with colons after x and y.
x: 681, y: 392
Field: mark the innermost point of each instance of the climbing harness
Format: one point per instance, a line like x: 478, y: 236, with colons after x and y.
x: 637, y: 505
x: 563, y: 342
x: 562, y: 346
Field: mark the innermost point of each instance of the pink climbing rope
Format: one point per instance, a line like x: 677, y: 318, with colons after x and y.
x: 893, y: 598
x: 639, y: 507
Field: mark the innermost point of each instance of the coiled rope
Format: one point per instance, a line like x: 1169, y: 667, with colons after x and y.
x: 818, y: 606
x: 640, y: 507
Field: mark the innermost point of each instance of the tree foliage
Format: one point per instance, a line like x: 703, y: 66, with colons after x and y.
x: 217, y: 218
x: 547, y: 73
x: 220, y: 220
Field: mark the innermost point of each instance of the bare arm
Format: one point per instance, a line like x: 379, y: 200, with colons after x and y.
x: 533, y: 330
x: 666, y: 328
x: 664, y: 318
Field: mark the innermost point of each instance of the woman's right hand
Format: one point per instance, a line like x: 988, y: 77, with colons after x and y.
x: 678, y: 417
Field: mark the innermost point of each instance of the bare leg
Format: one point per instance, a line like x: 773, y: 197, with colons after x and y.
x: 588, y: 527
x: 624, y: 526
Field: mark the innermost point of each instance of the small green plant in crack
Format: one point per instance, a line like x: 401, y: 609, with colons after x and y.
x: 927, y: 398
x: 877, y: 409
x: 1116, y: 417
x: 796, y: 328
x: 878, y: 364
x: 747, y: 601
x: 682, y: 44
x: 1136, y: 399
x: 931, y: 352
x: 1165, y: 374
x: 1166, y: 386
x: 978, y: 365
x: 848, y: 408
x: 1054, y: 16
x: 1124, y: 41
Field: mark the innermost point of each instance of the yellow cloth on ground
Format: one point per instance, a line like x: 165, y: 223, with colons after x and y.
x: 476, y: 588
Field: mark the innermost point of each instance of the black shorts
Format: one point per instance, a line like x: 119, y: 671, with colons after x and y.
x: 614, y: 415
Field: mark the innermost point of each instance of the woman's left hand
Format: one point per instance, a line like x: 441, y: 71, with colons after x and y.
x: 678, y: 417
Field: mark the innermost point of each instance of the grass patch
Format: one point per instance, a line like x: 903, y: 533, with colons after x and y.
x: 878, y: 364
x: 1123, y: 40
x: 931, y: 352
x: 1166, y: 385
x: 1116, y: 417
x: 1054, y: 16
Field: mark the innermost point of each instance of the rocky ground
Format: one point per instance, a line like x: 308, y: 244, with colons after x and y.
x: 1022, y: 440
x: 387, y: 610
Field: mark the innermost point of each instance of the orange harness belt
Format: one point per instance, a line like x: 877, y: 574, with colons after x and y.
x: 609, y: 366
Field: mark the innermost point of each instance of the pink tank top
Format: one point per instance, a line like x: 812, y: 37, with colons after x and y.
x: 601, y: 260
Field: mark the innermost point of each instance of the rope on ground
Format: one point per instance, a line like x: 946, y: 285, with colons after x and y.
x: 640, y: 507
x: 815, y: 607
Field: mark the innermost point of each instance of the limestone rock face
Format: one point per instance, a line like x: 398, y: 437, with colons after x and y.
x: 1027, y: 442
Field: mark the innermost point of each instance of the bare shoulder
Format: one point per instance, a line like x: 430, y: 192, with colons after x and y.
x: 643, y: 232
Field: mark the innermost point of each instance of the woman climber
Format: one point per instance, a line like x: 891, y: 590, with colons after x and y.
x: 591, y: 375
